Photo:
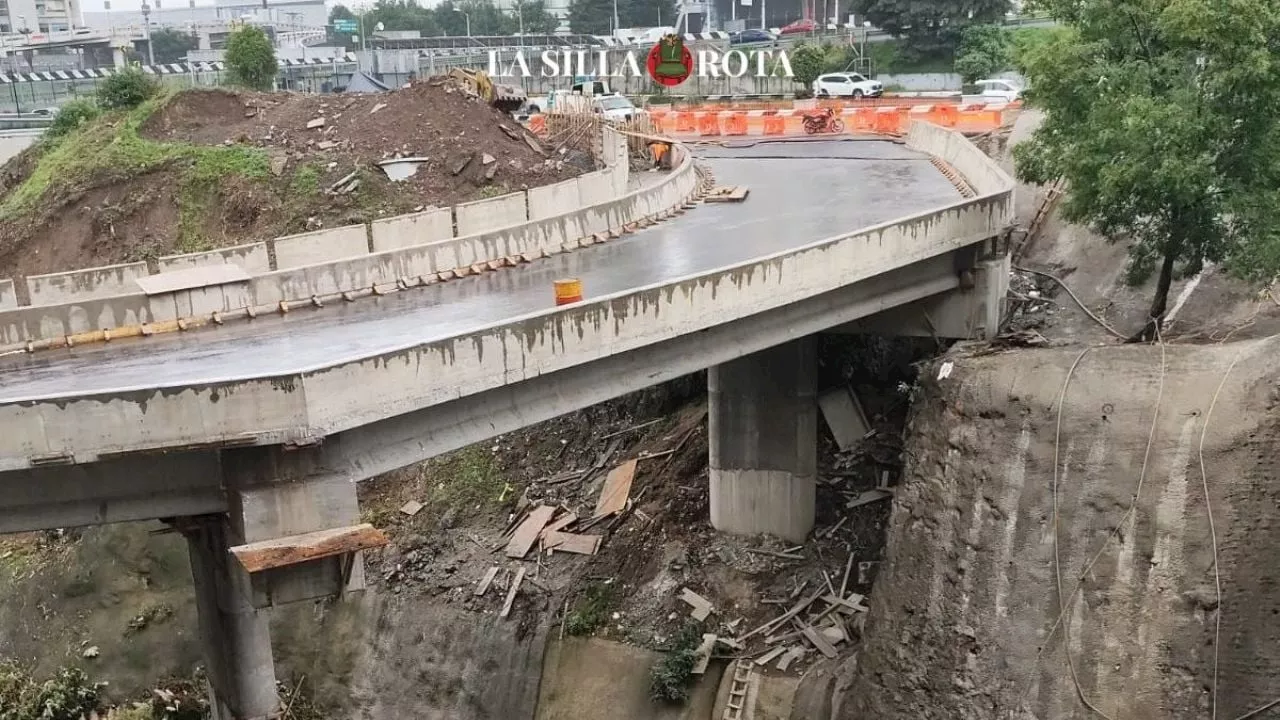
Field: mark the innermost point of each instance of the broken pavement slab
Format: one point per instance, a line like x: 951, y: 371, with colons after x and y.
x: 703, y: 653
x: 411, y: 508
x: 317, y: 123
x: 702, y: 608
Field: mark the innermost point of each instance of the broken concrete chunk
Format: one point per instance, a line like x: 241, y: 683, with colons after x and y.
x: 702, y: 607
x: 487, y: 159
x: 377, y: 107
x: 317, y: 123
x: 411, y: 508
x: 703, y: 653
x: 326, y: 144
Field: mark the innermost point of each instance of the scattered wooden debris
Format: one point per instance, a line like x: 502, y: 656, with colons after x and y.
x: 819, y: 642
x: 570, y: 542
x: 616, y: 490
x: 778, y: 621
x: 770, y: 656
x: 411, y: 508
x: 869, y: 496
x: 702, y: 608
x: 511, y: 594
x: 728, y: 193
x: 772, y: 553
x: 626, y: 430
x: 527, y: 534
x: 704, y: 653
x: 795, y: 653
x: 560, y: 523
x: 486, y: 581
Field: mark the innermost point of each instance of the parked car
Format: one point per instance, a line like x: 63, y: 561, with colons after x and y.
x: 751, y: 36
x: 999, y: 91
x: 799, y: 26
x: 846, y: 84
x: 615, y: 107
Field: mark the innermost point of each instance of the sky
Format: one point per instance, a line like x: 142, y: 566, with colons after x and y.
x: 135, y: 5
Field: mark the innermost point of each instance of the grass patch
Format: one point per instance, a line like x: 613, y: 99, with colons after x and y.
x: 591, y: 610
x: 110, y: 149
x: 671, y: 676
x: 306, y: 181
x: 469, y: 477
x: 493, y: 191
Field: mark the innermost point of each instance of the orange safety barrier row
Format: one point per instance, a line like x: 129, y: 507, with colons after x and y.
x: 888, y: 120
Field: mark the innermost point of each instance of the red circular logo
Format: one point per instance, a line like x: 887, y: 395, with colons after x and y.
x: 662, y: 65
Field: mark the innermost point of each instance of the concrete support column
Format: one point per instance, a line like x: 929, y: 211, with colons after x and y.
x: 763, y: 425
x: 236, y: 636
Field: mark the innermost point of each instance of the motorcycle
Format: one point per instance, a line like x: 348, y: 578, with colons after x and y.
x: 823, y: 121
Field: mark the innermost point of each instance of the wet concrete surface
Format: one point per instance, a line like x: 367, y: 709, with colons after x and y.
x: 800, y: 193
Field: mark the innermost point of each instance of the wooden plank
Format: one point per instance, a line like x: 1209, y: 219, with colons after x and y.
x: 561, y: 523
x: 527, y: 534
x: 704, y: 653
x: 294, y: 549
x: 795, y: 610
x: 869, y: 496
x: 486, y: 581
x: 616, y: 490
x: 573, y: 543
x: 791, y: 656
x: 728, y: 193
x: 819, y: 642
x: 511, y: 594
x: 769, y: 657
x: 854, y: 602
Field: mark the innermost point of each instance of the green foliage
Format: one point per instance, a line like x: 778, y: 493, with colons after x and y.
x: 591, y: 610
x: 930, y: 27
x: 447, y: 18
x: 251, y: 60
x: 126, y: 89
x: 595, y: 17
x: 71, y: 116
x: 170, y: 45
x: 306, y: 181
x: 984, y: 51
x: 1163, y: 118
x: 670, y: 677
x: 467, y: 478
x: 807, y: 63
x: 68, y: 695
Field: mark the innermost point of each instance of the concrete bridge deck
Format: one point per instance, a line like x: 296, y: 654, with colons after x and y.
x: 800, y: 193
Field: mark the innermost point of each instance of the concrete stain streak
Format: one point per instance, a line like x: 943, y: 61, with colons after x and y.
x: 1015, y: 479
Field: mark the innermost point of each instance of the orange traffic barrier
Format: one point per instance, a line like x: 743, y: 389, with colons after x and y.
x: 568, y: 291
x: 736, y: 124
x: 946, y: 115
x: 709, y: 124
x: 774, y: 125
x: 685, y: 122
x: 538, y: 124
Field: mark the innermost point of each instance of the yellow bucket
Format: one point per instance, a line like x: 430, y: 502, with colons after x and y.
x: 568, y: 291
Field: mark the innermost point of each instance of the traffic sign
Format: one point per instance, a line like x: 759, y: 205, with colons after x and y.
x: 344, y: 26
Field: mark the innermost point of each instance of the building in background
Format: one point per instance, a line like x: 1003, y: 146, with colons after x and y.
x: 39, y: 16
x: 281, y: 14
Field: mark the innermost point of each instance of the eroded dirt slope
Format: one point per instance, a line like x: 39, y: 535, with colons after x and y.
x: 963, y: 623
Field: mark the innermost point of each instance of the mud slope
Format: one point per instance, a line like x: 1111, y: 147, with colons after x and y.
x: 962, y: 622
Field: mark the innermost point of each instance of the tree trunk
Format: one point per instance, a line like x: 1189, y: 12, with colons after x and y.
x: 1161, y: 300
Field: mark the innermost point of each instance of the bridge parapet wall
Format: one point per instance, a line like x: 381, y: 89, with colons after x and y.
x: 332, y: 244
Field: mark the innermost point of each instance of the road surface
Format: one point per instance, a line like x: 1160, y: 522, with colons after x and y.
x: 801, y: 192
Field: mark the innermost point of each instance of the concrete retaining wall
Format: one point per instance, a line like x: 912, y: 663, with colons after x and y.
x: 321, y: 246
x: 85, y: 284
x: 405, y: 231
x: 492, y: 214
x: 253, y: 258
x: 594, y: 188
x: 8, y: 299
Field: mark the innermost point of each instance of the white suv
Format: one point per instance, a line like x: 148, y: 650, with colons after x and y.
x: 846, y: 84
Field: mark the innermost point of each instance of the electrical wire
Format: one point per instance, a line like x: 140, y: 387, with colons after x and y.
x: 1081, y: 305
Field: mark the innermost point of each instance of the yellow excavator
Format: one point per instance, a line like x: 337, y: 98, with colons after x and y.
x: 507, y: 98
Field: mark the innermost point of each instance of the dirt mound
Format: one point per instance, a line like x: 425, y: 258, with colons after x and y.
x: 211, y: 168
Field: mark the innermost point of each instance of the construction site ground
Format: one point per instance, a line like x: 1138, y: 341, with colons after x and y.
x: 963, y: 603
x: 201, y: 169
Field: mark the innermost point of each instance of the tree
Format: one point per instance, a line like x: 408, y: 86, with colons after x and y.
x: 807, y: 63
x: 250, y: 58
x: 646, y: 13
x: 930, y: 27
x: 532, y: 15
x: 171, y: 46
x: 591, y: 17
x: 332, y: 36
x: 984, y: 50
x: 1162, y: 120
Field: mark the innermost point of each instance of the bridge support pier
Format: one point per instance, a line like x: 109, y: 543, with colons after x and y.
x: 763, y: 426
x: 236, y: 635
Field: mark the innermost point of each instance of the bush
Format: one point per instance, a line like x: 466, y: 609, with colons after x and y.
x: 250, y: 58
x: 669, y: 678
x: 591, y: 612
x: 71, y: 116
x: 68, y: 695
x: 126, y: 89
